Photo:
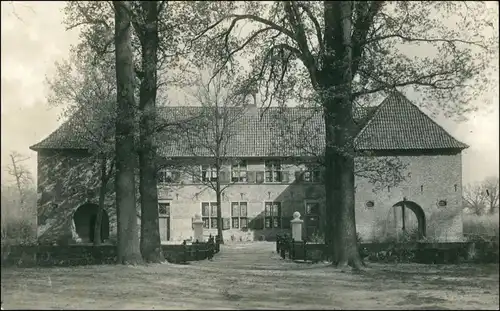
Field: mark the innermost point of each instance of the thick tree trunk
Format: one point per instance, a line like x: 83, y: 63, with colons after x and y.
x: 128, y: 239
x: 150, y: 233
x: 339, y: 154
x: 339, y: 185
x: 332, y: 190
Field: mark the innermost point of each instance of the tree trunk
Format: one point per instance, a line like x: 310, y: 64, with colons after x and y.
x: 18, y: 180
x: 219, y: 210
x: 100, y: 209
x: 128, y: 240
x: 332, y: 190
x: 339, y: 124
x: 150, y: 233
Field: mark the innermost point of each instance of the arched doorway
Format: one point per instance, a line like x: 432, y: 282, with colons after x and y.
x: 417, y: 211
x: 85, y: 217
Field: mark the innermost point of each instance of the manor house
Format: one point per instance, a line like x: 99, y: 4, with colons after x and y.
x: 269, y: 172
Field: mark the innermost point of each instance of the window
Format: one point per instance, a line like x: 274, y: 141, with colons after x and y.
x: 168, y: 176
x: 208, y: 173
x: 272, y: 215
x: 369, y: 204
x: 209, y: 215
x: 273, y: 171
x: 239, y: 172
x: 239, y: 215
x: 164, y: 220
x: 312, y: 175
x: 164, y: 209
x: 312, y: 208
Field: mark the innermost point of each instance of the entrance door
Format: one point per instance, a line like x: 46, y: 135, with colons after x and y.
x: 164, y: 220
x: 311, y: 218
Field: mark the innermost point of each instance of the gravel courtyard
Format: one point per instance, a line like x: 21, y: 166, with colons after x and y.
x: 251, y: 276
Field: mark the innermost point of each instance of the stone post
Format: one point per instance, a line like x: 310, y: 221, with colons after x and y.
x: 296, y: 223
x: 198, y: 228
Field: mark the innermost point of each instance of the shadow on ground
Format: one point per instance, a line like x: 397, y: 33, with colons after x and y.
x: 251, y: 276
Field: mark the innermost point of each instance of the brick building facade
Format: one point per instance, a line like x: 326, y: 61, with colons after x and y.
x: 268, y: 174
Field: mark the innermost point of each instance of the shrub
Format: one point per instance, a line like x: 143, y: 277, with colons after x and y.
x: 410, y: 236
x: 317, y: 238
x: 18, y: 231
x: 485, y: 225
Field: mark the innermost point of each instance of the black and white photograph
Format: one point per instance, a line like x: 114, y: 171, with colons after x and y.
x: 228, y: 155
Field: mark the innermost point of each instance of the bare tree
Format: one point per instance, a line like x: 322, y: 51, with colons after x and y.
x: 332, y: 54
x: 20, y: 173
x: 491, y: 187
x: 482, y: 197
x: 210, y: 134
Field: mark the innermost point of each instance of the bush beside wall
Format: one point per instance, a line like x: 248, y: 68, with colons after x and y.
x: 76, y: 255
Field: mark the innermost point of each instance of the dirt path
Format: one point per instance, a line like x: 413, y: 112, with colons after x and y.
x: 251, y: 276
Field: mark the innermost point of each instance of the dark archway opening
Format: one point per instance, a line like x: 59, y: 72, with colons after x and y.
x: 85, y: 218
x: 419, y: 213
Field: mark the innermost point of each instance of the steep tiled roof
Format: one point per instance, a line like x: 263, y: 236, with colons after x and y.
x: 399, y: 124
x: 393, y: 125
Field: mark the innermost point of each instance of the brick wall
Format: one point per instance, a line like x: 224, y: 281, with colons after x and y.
x: 66, y: 181
x: 70, y: 180
x: 433, y: 178
x: 186, y: 200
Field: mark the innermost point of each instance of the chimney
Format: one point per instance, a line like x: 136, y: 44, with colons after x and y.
x: 252, y: 108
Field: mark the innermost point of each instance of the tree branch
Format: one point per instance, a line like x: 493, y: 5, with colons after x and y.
x: 428, y: 40
x: 314, y: 20
x: 365, y: 15
x: 89, y: 20
x: 300, y: 36
x: 242, y: 46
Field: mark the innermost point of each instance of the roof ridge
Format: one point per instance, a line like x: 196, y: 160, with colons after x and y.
x: 434, y: 122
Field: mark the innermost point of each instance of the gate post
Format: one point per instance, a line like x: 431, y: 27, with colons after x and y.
x: 296, y: 224
x: 198, y: 228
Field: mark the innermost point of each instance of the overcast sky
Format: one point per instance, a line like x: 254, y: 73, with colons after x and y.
x: 33, y: 38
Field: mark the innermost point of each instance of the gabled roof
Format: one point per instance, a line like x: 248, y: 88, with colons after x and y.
x: 396, y: 124
x: 400, y: 125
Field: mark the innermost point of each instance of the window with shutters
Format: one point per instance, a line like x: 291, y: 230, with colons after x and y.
x: 272, y: 212
x: 239, y: 217
x: 209, y: 215
x: 239, y: 171
x: 167, y: 176
x: 208, y: 173
x: 273, y: 171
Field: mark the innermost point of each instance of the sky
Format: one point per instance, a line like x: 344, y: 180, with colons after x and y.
x: 33, y: 38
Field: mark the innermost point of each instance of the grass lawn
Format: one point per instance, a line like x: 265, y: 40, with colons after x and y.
x: 251, y: 276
